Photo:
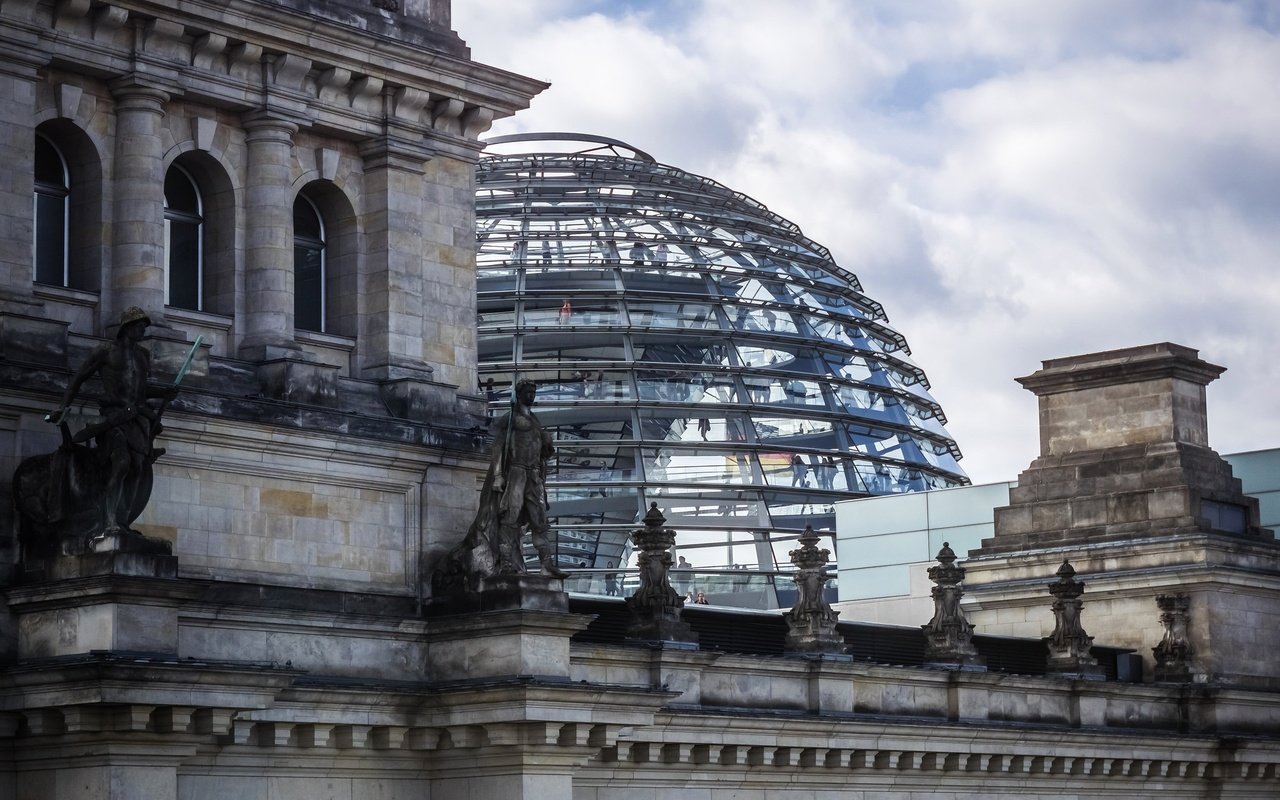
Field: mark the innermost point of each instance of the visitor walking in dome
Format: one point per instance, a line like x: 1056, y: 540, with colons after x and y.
x: 662, y: 252
x: 611, y: 582
x: 799, y: 471
x: 681, y: 574
x: 637, y: 254
x: 566, y: 312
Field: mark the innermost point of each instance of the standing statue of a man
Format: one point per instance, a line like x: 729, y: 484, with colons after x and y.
x: 513, y: 497
x: 129, y: 423
x: 518, y: 469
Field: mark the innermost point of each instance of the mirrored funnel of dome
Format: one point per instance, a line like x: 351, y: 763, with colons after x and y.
x: 692, y: 349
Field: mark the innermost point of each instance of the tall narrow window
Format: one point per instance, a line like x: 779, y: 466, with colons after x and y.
x: 52, y: 200
x: 183, y: 241
x: 308, y: 266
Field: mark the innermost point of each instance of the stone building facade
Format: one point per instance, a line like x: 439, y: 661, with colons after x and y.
x: 326, y: 444
x: 293, y: 183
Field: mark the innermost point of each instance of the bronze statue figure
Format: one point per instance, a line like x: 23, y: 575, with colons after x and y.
x: 80, y: 493
x: 513, y: 497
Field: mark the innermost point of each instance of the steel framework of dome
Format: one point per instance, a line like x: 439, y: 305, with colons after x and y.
x: 691, y: 348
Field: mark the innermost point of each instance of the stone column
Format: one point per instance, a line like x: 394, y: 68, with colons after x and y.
x: 396, y: 327
x: 267, y: 323
x: 137, y: 225
x: 17, y: 144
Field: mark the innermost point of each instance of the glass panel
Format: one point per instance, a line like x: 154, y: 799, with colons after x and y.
x: 180, y: 193
x: 495, y: 317
x: 308, y: 287
x: 184, y: 263
x: 668, y: 281
x: 710, y: 507
x: 572, y: 346
x: 671, y: 315
x: 50, y: 239
x: 306, y: 222
x: 50, y: 170
x: 496, y: 347
x: 573, y: 281
x: 684, y: 387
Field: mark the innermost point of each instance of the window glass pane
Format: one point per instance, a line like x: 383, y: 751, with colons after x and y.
x: 50, y: 170
x: 308, y: 287
x: 184, y: 264
x: 308, y: 267
x: 50, y: 240
x: 495, y: 347
x: 180, y: 193
x: 571, y: 346
x: 306, y: 223
x: 671, y: 315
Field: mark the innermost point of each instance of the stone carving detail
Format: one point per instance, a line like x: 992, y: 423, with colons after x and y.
x: 83, y: 498
x: 811, y: 622
x: 655, y: 605
x: 949, y: 636
x: 513, y: 497
x: 1173, y: 654
x: 1069, y: 644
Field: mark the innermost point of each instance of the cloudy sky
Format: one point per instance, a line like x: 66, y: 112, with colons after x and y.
x: 1013, y: 180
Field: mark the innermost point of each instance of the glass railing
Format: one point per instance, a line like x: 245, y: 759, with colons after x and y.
x: 736, y: 588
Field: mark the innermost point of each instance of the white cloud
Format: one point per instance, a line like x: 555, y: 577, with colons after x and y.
x: 1013, y: 181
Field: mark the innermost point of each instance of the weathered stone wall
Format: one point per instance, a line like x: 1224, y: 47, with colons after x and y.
x: 256, y: 120
x: 1127, y: 489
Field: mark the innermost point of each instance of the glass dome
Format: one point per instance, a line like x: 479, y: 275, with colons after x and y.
x: 692, y: 349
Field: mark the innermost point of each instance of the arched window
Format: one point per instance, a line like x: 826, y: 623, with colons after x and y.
x: 183, y: 241
x: 52, y: 214
x: 308, y: 266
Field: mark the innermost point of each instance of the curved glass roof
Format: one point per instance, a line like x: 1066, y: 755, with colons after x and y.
x: 691, y: 348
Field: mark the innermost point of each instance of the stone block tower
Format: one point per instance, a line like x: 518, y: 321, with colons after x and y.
x: 1127, y: 487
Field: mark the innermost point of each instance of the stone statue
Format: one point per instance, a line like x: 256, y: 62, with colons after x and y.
x: 1069, y: 644
x: 949, y: 636
x: 513, y: 497
x: 811, y: 622
x: 73, y: 500
x: 1174, y: 654
x: 655, y: 605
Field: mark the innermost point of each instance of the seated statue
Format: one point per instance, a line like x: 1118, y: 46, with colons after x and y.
x: 81, y: 493
x: 513, y: 498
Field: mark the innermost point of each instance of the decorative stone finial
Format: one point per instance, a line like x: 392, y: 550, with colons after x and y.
x: 1173, y: 654
x: 948, y: 636
x: 1068, y: 644
x: 655, y: 605
x: 811, y: 623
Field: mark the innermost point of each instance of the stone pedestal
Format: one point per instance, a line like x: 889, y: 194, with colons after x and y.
x: 112, y: 601
x: 1127, y: 488
x: 502, y: 644
x: 296, y: 380
x: 516, y: 625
